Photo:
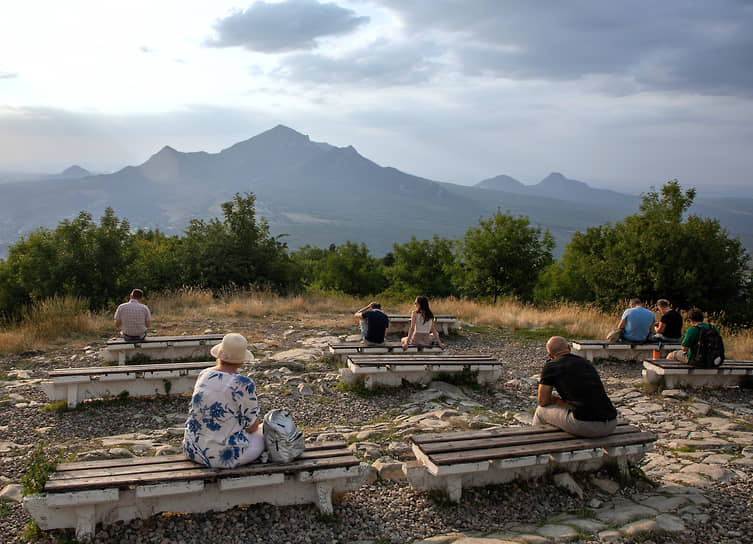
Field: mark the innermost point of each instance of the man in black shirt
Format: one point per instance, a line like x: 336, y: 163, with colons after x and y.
x: 582, y: 407
x: 374, y: 323
x: 669, y: 327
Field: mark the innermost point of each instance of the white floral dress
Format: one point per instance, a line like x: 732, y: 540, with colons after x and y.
x: 222, y: 406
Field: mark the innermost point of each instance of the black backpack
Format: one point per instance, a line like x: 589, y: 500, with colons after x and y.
x: 709, y: 352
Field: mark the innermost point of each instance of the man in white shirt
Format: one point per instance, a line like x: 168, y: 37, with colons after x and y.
x: 133, y: 317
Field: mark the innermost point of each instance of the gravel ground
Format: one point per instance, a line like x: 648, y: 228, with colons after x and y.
x: 385, y: 511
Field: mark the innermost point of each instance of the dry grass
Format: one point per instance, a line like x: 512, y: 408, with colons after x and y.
x: 57, y: 318
x: 44, y: 322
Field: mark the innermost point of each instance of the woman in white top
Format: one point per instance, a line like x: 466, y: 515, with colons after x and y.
x: 222, y: 429
x: 423, y: 331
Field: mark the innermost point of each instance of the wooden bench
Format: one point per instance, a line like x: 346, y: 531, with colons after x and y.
x: 451, y: 461
x: 674, y: 373
x: 400, y: 323
x: 627, y: 351
x: 391, y: 370
x: 343, y: 349
x: 77, y: 384
x: 82, y: 494
x: 161, y: 347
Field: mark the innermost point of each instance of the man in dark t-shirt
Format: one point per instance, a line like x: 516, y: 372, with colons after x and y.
x: 374, y: 323
x: 582, y: 407
x: 669, y: 328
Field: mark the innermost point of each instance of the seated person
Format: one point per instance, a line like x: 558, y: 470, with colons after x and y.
x: 583, y: 407
x: 133, y: 318
x: 669, y: 327
x: 636, y: 325
x: 687, y: 354
x: 222, y: 429
x: 423, y: 329
x: 374, y: 324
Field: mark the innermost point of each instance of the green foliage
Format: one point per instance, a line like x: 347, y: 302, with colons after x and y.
x: 347, y: 268
x: 422, y: 268
x: 39, y: 466
x: 654, y: 254
x: 102, y: 262
x: 5, y: 507
x: 57, y: 406
x: 504, y: 255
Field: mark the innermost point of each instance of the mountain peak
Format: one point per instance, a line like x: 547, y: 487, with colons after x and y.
x: 502, y: 183
x: 74, y: 171
x: 555, y: 179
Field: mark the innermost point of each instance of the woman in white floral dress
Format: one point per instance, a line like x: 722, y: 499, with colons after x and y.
x: 222, y: 429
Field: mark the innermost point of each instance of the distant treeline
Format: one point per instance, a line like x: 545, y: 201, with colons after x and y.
x: 657, y: 253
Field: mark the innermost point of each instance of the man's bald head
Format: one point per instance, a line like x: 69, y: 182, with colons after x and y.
x: 557, y: 346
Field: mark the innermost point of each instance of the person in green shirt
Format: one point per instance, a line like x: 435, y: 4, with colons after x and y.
x: 690, y: 340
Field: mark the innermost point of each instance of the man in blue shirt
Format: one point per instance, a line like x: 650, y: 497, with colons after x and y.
x: 637, y: 322
x: 374, y: 323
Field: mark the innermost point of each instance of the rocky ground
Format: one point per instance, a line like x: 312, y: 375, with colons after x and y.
x: 697, y: 486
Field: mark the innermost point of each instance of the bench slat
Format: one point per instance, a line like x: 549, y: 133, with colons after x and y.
x: 179, y: 464
x: 198, y: 472
x: 127, y: 369
x: 134, y: 461
x: 505, y: 441
x: 544, y: 431
x: 542, y: 448
x: 152, y: 339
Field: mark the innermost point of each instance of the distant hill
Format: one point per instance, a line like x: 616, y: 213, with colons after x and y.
x: 318, y: 194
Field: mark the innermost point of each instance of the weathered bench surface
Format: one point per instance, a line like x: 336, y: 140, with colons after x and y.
x: 341, y: 350
x: 155, y: 339
x: 82, y: 494
x: 450, y: 461
x: 391, y: 369
x: 444, y: 323
x: 674, y: 373
x: 161, y: 347
x: 589, y: 349
x: 78, y: 384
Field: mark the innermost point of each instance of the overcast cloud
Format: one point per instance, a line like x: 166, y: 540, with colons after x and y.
x: 287, y: 26
x: 619, y: 94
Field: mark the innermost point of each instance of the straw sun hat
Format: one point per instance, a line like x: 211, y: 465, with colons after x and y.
x: 233, y: 349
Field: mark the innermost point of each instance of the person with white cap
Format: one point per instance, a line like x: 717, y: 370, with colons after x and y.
x: 222, y: 429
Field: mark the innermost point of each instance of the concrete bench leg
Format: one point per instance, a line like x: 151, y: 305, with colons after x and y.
x: 85, y: 523
x: 121, y: 358
x: 454, y: 487
x: 72, y: 395
x: 324, y: 497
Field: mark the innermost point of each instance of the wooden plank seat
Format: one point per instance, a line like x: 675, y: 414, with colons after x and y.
x: 342, y: 350
x: 627, y: 351
x: 82, y: 494
x: 451, y: 461
x: 400, y: 323
x: 674, y: 373
x: 78, y: 384
x: 392, y: 369
x: 161, y: 347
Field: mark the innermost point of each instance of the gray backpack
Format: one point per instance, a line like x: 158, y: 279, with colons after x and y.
x: 283, y: 441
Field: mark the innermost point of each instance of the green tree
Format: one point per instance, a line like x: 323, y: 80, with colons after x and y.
x: 657, y: 253
x: 504, y: 255
x: 238, y: 250
x: 422, y: 268
x: 347, y: 268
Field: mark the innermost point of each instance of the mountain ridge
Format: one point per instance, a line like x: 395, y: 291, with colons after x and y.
x: 319, y: 194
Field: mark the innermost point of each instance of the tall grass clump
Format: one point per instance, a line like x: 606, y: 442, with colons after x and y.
x: 181, y: 303
x: 578, y: 320
x: 48, y: 318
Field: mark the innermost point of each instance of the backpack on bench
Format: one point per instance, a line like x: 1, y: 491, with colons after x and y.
x: 282, y: 439
x: 709, y: 352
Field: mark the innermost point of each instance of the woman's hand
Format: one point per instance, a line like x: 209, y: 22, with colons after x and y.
x: 252, y: 428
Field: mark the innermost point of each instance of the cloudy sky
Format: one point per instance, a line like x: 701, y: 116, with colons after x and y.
x: 619, y: 94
